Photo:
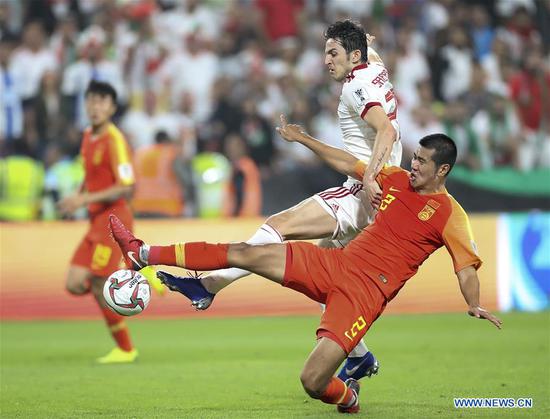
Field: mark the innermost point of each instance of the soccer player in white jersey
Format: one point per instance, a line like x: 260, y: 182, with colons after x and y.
x: 367, y: 113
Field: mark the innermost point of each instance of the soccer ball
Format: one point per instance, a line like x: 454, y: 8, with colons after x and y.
x: 127, y: 292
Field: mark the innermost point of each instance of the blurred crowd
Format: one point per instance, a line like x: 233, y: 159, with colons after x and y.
x: 209, y: 79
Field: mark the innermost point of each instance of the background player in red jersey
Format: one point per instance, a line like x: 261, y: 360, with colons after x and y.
x: 415, y: 218
x: 108, y: 184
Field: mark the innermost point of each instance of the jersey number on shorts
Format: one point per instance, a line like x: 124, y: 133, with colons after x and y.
x: 101, y: 256
x: 387, y: 201
x: 357, y: 326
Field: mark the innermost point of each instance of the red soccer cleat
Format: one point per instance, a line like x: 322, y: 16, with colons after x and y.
x: 127, y: 242
x: 354, y: 408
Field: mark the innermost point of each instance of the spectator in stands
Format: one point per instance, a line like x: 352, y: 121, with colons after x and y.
x: 411, y: 68
x: 63, y: 42
x: 257, y: 133
x: 481, y: 32
x: 494, y: 64
x: 158, y: 189
x: 280, y: 18
x: 498, y: 131
x: 458, y: 56
x: 529, y: 91
x: 91, y: 66
x: 11, y: 110
x: 21, y: 184
x: 63, y: 178
x: 457, y: 123
x: 244, y: 189
x: 50, y: 112
x: 31, y: 61
x: 477, y: 97
x: 141, y: 124
x: 192, y: 71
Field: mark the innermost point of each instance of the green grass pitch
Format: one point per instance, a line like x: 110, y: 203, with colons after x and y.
x: 246, y: 368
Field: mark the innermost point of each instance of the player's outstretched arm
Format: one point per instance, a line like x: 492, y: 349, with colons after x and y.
x: 338, y: 159
x: 373, y: 56
x: 469, y: 285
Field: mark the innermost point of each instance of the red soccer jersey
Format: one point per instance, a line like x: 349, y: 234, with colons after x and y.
x: 407, y: 229
x: 106, y: 163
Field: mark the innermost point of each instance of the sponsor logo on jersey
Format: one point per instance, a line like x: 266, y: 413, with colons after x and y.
x: 360, y: 96
x: 98, y: 156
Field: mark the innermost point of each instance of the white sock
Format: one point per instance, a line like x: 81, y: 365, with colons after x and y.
x: 359, y: 351
x: 221, y: 278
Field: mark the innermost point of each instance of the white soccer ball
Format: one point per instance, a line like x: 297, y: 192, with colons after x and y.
x: 127, y: 292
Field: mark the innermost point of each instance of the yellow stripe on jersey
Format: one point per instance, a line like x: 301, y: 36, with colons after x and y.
x: 180, y: 254
x: 121, y: 162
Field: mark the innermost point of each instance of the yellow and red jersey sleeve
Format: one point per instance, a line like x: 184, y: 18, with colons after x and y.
x: 120, y: 155
x: 459, y: 240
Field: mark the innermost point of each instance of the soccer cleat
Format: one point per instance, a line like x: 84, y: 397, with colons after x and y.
x: 118, y: 356
x: 189, y: 286
x: 150, y: 274
x: 127, y: 242
x: 359, y: 367
x: 354, y: 408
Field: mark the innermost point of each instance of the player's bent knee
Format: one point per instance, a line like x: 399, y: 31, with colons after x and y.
x: 76, y: 287
x: 312, y: 385
x: 77, y: 282
x: 279, y: 222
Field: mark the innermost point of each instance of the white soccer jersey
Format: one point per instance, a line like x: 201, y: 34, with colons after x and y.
x: 366, y: 86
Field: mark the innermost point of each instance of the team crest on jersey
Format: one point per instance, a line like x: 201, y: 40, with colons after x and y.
x: 360, y: 96
x: 429, y: 210
x: 98, y: 156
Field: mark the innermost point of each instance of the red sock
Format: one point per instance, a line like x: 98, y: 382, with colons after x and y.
x: 118, y: 329
x: 337, y: 393
x: 200, y: 256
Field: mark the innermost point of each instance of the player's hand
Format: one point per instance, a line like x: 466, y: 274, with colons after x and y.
x: 71, y: 203
x: 290, y: 132
x: 373, y: 191
x: 370, y: 39
x: 481, y: 313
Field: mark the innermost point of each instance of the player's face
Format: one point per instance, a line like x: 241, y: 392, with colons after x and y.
x: 338, y: 62
x: 423, y: 169
x: 100, y: 108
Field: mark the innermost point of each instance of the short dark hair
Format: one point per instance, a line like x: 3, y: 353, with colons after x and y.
x: 351, y: 35
x: 101, y: 88
x: 444, y: 146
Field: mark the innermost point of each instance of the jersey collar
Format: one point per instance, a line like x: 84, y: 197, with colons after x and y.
x: 351, y: 76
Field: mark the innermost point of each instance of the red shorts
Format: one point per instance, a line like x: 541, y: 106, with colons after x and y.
x: 353, y: 301
x: 97, y: 251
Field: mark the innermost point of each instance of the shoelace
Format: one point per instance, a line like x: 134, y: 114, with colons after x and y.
x: 196, y: 275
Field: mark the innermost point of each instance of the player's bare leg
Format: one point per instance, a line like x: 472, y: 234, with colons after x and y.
x: 268, y: 261
x: 360, y: 362
x: 306, y: 220
x: 78, y: 280
x: 319, y: 381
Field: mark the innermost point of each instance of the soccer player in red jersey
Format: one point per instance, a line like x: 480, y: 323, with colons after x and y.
x: 108, y: 184
x: 415, y: 218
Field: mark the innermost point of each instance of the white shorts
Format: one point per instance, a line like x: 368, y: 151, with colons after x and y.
x: 349, y: 206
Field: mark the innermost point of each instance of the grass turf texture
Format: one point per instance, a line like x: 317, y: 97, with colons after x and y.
x: 250, y: 367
